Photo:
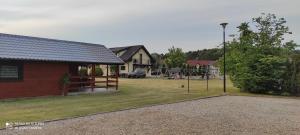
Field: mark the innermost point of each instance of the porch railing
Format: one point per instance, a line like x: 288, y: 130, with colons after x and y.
x: 79, y: 82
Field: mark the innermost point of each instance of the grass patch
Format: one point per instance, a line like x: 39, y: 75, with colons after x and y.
x: 133, y: 93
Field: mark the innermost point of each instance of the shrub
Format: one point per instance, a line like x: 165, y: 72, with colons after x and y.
x: 98, y: 71
x: 83, y: 72
x: 65, y: 79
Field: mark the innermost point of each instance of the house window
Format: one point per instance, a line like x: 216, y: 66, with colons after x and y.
x: 141, y: 58
x: 123, y: 67
x: 134, y: 61
x: 10, y: 72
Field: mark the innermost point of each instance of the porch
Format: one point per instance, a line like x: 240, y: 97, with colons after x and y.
x: 89, y: 78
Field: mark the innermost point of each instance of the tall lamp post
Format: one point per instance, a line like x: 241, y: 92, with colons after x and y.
x: 224, y: 49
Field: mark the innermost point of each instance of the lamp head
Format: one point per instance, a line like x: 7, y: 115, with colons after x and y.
x: 224, y: 25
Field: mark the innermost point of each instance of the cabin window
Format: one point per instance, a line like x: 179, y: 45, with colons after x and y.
x: 123, y: 67
x: 10, y: 72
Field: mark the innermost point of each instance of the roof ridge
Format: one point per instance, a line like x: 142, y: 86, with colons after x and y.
x: 48, y: 39
x: 125, y: 46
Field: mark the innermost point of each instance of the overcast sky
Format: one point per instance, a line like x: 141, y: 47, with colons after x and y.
x: 157, y: 24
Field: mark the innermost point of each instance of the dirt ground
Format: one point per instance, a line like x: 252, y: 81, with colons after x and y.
x: 220, y: 115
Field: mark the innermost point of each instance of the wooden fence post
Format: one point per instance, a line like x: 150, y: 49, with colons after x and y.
x: 93, y: 77
x: 106, y: 76
x: 117, y: 77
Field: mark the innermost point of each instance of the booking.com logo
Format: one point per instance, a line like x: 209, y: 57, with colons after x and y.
x: 8, y: 125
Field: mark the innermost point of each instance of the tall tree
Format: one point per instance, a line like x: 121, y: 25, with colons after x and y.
x: 175, y: 57
x: 258, y: 60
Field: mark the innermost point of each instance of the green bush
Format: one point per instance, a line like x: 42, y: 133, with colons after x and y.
x: 98, y: 71
x: 83, y: 72
x: 65, y: 79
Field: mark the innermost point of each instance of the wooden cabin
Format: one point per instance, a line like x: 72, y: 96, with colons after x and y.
x: 32, y: 66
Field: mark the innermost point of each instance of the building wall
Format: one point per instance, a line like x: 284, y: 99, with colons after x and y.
x: 103, y: 67
x: 146, y: 60
x: 39, y: 79
x: 129, y: 65
x: 213, y: 71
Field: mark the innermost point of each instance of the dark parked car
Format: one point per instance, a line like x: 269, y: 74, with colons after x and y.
x: 156, y: 72
x: 137, y: 73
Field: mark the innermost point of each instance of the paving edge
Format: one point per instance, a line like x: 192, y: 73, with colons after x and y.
x: 267, y: 96
x: 126, y: 109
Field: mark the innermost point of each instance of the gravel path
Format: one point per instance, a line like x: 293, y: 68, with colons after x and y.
x: 221, y: 115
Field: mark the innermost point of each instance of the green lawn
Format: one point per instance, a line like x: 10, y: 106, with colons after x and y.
x: 133, y: 93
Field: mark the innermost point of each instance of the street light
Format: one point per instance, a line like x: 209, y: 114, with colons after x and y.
x: 224, y: 48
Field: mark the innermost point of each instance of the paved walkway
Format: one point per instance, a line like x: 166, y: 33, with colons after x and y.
x: 221, y: 115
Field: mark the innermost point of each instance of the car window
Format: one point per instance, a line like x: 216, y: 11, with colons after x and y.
x: 139, y: 70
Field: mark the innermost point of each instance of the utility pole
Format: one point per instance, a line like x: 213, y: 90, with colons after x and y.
x: 188, y: 68
x: 224, y: 49
x: 207, y: 77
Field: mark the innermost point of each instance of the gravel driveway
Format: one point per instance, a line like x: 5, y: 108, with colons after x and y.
x: 220, y: 115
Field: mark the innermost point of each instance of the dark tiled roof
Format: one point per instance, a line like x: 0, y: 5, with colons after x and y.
x: 129, y: 51
x: 42, y: 49
x: 118, y: 49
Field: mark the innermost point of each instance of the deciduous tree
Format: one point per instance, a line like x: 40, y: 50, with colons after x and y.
x: 175, y: 57
x: 259, y: 60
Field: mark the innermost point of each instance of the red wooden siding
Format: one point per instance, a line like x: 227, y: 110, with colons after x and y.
x: 39, y: 79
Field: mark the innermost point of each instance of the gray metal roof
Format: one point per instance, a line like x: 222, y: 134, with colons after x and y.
x: 43, y: 49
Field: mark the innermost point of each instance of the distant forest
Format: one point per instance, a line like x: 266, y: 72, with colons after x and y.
x: 205, y: 54
x: 209, y: 54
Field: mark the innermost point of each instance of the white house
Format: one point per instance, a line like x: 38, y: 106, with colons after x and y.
x: 136, y: 56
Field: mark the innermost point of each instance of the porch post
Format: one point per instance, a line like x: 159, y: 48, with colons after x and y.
x: 106, y: 76
x: 93, y: 77
x: 117, y: 77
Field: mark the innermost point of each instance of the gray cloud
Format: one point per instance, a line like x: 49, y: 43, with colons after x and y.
x: 190, y: 24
